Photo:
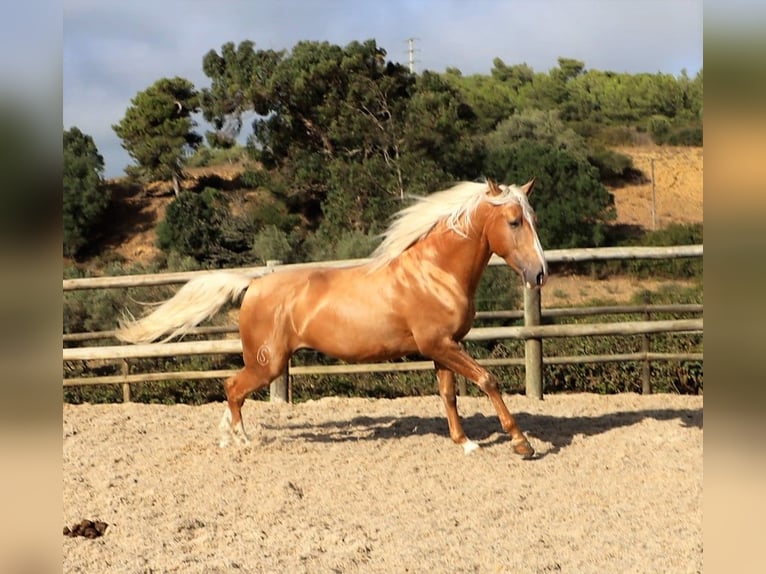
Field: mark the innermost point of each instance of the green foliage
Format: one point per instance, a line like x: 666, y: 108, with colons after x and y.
x: 93, y: 310
x: 85, y: 199
x: 674, y: 234
x: 272, y: 243
x: 544, y: 127
x: 670, y: 294
x: 254, y: 178
x: 355, y: 245
x: 573, y: 207
x: 344, y: 130
x: 173, y: 392
x: 626, y: 376
x: 193, y: 224
x: 170, y: 392
x: 499, y: 289
x: 157, y: 130
x: 235, y: 75
x: 682, y: 134
x: 600, y: 135
x: 487, y: 96
x: 613, y: 167
x: 440, y: 129
x: 348, y: 133
x: 205, y: 156
x: 350, y: 244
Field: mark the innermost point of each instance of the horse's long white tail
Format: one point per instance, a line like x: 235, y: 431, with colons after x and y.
x: 199, y: 299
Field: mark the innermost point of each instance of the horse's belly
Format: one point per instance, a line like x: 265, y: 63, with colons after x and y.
x: 352, y: 341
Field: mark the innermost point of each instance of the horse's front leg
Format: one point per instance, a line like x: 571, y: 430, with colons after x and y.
x: 450, y: 355
x: 447, y: 391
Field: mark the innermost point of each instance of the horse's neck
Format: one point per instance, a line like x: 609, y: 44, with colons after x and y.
x: 464, y: 258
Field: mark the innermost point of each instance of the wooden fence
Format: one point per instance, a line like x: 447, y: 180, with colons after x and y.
x: 532, y: 332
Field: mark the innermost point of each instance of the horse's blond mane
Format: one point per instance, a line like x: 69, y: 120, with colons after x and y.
x: 455, y: 206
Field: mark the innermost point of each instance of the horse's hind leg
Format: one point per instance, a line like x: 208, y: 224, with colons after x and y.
x: 238, y: 387
x: 447, y: 391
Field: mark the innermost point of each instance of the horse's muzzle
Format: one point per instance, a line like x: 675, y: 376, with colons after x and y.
x: 534, y: 278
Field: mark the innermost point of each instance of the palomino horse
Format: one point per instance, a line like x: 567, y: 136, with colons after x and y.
x: 414, y: 296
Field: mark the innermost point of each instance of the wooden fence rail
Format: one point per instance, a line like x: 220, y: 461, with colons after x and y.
x: 532, y: 332
x: 684, y: 308
x: 234, y: 346
x: 551, y: 255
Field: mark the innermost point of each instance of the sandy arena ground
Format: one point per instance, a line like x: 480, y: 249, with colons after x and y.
x: 358, y: 485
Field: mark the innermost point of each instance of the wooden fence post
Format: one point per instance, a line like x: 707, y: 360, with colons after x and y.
x: 461, y: 390
x: 125, y: 386
x: 533, y: 348
x: 279, y: 390
x: 646, y: 370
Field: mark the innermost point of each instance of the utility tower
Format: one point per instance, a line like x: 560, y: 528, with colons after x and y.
x: 411, y: 51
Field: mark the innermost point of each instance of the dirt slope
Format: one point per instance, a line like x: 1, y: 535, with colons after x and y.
x: 677, y: 184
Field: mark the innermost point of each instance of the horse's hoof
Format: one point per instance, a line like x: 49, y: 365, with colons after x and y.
x: 469, y: 446
x: 522, y: 447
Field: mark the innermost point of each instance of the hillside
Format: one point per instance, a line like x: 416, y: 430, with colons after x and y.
x: 678, y: 189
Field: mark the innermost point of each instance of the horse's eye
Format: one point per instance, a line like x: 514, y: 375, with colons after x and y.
x: 515, y: 223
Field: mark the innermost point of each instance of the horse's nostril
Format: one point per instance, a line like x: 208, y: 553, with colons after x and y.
x: 540, y: 278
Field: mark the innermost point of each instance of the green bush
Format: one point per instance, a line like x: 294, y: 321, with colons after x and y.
x: 347, y: 245
x: 674, y: 234
x: 659, y: 127
x: 572, y: 205
x: 254, y: 178
x: 499, y: 289
x: 272, y: 243
x: 193, y: 224
x: 677, y: 133
x: 686, y: 136
x: 613, y: 167
x: 206, y: 155
x: 273, y: 212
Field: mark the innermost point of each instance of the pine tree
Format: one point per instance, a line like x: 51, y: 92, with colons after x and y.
x: 157, y: 130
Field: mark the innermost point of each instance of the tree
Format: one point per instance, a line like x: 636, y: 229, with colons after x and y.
x: 157, y: 129
x: 237, y: 76
x: 330, y: 120
x: 84, y: 197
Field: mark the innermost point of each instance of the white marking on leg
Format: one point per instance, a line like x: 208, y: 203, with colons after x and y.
x: 240, y: 436
x: 224, y: 428
x: 469, y: 446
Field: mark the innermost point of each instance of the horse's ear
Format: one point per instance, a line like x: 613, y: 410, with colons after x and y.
x: 527, y: 187
x: 494, y: 189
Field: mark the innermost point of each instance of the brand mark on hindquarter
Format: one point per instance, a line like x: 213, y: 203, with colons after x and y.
x: 263, y: 355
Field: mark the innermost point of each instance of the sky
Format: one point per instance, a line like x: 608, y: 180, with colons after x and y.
x: 113, y: 50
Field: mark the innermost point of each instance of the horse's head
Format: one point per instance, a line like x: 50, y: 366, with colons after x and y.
x: 512, y: 234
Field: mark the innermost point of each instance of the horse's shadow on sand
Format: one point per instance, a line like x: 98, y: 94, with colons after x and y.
x: 558, y: 431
